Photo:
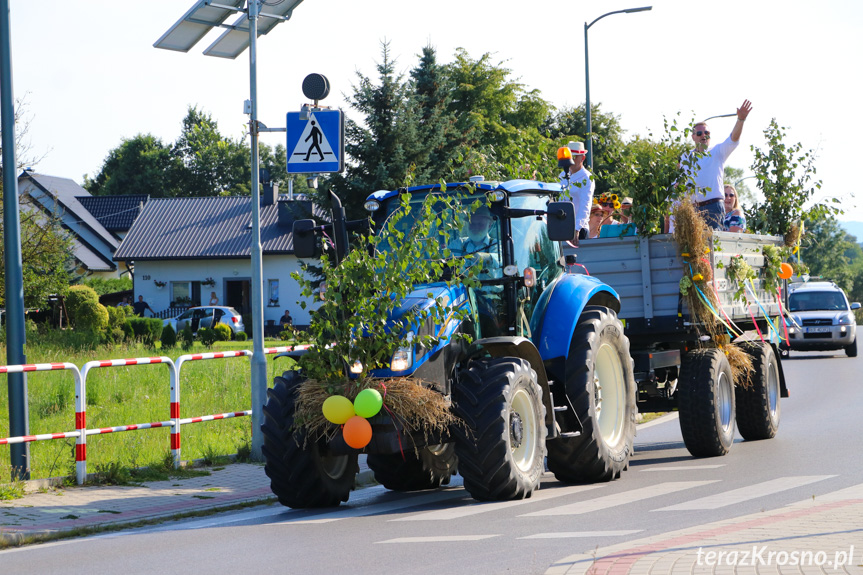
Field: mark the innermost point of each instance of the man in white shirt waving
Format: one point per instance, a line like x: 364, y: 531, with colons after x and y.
x: 708, y: 170
x: 579, y: 183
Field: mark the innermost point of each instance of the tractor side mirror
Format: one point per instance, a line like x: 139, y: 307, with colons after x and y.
x: 561, y: 221
x: 306, y: 244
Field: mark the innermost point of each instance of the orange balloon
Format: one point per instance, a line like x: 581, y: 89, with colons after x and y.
x: 785, y: 271
x: 357, y: 432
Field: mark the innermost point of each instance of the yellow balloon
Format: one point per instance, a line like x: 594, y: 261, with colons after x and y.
x: 338, y: 409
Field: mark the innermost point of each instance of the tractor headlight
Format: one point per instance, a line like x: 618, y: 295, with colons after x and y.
x: 403, y: 358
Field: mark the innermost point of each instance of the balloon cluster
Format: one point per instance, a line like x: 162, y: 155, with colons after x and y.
x: 352, y: 415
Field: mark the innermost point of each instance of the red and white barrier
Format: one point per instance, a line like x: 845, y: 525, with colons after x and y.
x: 178, y: 422
x: 80, y: 405
x: 81, y: 417
x: 175, y: 422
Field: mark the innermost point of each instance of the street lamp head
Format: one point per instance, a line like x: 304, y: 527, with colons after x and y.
x: 642, y: 9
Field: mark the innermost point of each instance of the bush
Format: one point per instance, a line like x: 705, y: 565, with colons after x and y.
x: 187, y: 336
x: 208, y: 336
x: 85, y: 311
x: 241, y: 336
x: 223, y: 332
x: 116, y: 332
x: 146, y: 329
x: 169, y: 337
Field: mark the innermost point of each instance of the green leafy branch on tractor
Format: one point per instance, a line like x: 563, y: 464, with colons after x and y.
x: 352, y: 330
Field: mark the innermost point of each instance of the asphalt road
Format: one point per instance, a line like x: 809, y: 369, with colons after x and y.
x: 816, y: 451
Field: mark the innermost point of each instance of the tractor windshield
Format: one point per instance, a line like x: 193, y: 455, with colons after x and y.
x: 476, y: 235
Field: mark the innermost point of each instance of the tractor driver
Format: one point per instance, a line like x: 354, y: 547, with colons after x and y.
x: 477, y: 243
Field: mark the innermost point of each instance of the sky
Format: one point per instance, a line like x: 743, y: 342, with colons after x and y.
x: 90, y: 76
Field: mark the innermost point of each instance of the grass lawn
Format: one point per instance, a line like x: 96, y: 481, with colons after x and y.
x: 134, y: 395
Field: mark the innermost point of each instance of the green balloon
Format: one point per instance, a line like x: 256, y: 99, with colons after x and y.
x: 368, y: 403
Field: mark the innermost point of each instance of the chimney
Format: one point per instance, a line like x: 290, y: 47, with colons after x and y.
x: 270, y: 191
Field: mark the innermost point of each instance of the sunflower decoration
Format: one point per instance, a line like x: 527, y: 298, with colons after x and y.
x: 607, y: 199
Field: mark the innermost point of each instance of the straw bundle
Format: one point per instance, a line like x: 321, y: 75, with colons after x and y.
x: 415, y: 405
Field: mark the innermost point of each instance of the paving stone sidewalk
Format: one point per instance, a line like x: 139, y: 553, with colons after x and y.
x: 48, y: 513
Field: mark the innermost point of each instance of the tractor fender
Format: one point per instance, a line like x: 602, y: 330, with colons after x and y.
x: 559, y: 307
x: 523, y: 348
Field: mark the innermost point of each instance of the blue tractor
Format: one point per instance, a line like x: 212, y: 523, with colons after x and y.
x: 548, y: 374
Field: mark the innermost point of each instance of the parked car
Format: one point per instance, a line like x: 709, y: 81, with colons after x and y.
x: 824, y: 319
x: 204, y: 316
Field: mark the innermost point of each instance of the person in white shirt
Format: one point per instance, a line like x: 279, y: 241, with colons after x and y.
x: 580, y: 185
x: 708, y: 170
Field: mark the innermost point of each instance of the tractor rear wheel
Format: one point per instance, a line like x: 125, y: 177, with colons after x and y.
x: 303, y: 473
x: 601, y: 388
x: 408, y: 471
x: 500, y: 442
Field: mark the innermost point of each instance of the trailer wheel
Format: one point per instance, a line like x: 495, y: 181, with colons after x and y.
x: 408, y: 471
x: 706, y: 403
x: 851, y: 348
x: 601, y: 388
x: 758, y: 406
x: 501, y: 441
x: 302, y: 473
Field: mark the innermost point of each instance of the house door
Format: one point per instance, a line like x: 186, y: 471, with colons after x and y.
x: 238, y: 294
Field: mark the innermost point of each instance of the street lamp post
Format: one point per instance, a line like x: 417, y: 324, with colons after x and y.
x: 589, y: 159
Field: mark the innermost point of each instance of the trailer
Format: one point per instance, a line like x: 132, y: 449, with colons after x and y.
x: 675, y: 367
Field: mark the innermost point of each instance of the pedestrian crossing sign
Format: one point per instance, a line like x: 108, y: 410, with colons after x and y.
x: 316, y: 144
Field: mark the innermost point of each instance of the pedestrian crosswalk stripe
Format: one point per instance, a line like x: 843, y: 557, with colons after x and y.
x: 683, y: 467
x: 618, y: 499
x: 407, y: 501
x: 746, y: 493
x: 484, y: 507
x: 439, y: 539
x: 582, y: 534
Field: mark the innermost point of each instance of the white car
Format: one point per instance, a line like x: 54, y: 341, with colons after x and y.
x: 823, y: 319
x: 204, y: 316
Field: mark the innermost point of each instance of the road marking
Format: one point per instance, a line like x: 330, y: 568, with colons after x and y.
x: 618, y: 499
x: 575, y: 534
x: 683, y: 467
x: 439, y: 539
x: 409, y: 501
x: 746, y: 493
x: 484, y: 507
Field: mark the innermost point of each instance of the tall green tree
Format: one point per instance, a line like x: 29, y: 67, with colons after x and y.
x: 824, y: 251
x: 139, y: 165
x: 499, y: 120
x: 384, y: 145
x: 440, y: 142
x: 214, y: 164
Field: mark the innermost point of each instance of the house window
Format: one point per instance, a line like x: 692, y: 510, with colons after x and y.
x: 181, y: 293
x: 273, y: 291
